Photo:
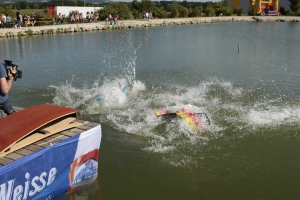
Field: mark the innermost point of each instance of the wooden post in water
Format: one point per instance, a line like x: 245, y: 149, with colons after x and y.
x: 239, y: 48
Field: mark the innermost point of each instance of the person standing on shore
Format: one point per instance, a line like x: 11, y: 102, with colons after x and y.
x: 144, y: 15
x: 147, y: 15
x: 91, y: 17
x: 76, y: 17
x: 110, y: 19
x: 150, y: 15
x: 116, y: 18
x: 81, y: 18
x: 3, y: 20
x: 88, y: 17
x: 19, y: 20
x: 96, y: 17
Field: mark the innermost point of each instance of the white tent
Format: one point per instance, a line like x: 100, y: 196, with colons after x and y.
x: 65, y: 10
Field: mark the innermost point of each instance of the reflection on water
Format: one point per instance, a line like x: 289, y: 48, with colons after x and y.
x: 251, y: 97
x: 90, y: 192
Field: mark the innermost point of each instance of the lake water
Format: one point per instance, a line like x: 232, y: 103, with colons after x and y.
x: 244, y: 76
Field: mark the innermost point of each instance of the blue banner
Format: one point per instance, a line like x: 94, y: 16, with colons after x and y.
x: 59, y: 168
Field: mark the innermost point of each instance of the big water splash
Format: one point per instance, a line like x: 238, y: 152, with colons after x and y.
x: 235, y: 112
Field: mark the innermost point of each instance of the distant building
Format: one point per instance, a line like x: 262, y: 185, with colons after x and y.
x: 245, y: 4
x: 65, y: 10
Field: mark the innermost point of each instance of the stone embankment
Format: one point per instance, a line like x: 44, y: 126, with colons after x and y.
x: 125, y: 24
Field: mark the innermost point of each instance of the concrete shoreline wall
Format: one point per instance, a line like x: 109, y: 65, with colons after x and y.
x: 124, y: 24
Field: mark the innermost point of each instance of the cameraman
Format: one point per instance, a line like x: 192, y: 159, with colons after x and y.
x: 5, y: 86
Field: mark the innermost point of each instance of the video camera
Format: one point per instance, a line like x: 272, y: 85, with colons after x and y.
x: 8, y: 64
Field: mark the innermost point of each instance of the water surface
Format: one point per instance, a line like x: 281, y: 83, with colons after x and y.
x: 244, y: 76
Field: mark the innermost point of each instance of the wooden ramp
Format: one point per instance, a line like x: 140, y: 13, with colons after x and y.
x: 33, y: 124
x: 11, y: 156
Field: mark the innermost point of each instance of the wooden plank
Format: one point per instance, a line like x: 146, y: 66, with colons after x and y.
x: 70, y: 133
x: 14, y: 156
x: 24, y: 151
x: 42, y: 143
x: 84, y: 127
x: 45, y: 142
x: 33, y: 147
x: 25, y: 121
x: 57, y: 137
x: 77, y: 131
x: 5, y: 161
x: 87, y: 123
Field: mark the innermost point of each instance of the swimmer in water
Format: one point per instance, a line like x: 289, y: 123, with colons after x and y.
x: 125, y: 89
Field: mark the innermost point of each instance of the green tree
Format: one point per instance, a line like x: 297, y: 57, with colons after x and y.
x: 107, y: 9
x: 146, y: 5
x: 186, y: 4
x: 159, y: 12
x: 135, y: 9
x: 55, y: 3
x: 283, y: 11
x: 45, y: 16
x: 7, y: 11
x: 252, y: 11
x: 209, y: 11
x: 196, y: 12
x: 164, y: 4
x: 136, y: 14
x: 224, y: 3
x: 174, y: 10
x: 135, y: 5
x: 208, y: 4
x: 224, y: 10
x: 78, y: 3
x: 23, y: 4
x: 238, y: 11
x: 35, y: 6
x: 122, y: 10
x: 114, y: 8
x: 294, y: 5
x: 183, y: 11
